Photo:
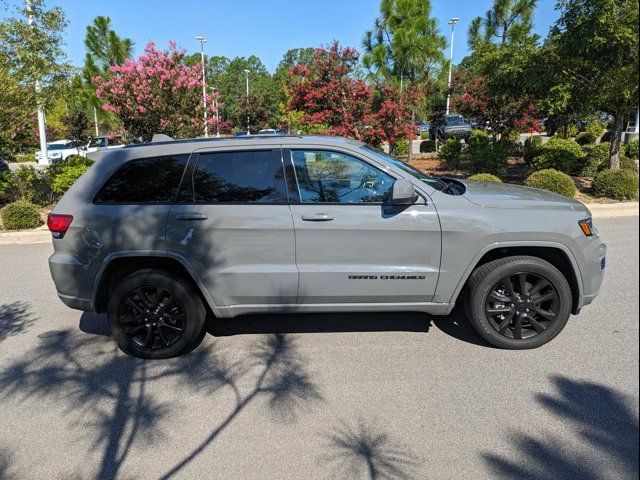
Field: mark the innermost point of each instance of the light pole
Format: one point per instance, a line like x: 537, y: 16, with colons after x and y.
x: 42, y: 130
x: 202, y: 41
x: 452, y: 22
x: 246, y: 72
x: 215, y: 106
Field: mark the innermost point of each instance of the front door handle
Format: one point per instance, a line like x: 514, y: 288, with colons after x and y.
x: 318, y: 217
x: 192, y: 216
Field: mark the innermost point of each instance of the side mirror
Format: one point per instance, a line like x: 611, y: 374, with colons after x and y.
x: 404, y: 192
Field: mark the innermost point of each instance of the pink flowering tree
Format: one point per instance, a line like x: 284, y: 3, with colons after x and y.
x: 157, y: 93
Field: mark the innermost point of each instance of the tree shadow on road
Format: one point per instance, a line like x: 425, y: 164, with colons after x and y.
x: 363, y: 450
x: 6, y: 470
x: 604, y: 421
x: 15, y: 318
x: 110, y: 397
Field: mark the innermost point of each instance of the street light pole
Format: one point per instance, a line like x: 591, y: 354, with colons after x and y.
x: 452, y: 22
x: 42, y: 128
x: 202, y: 41
x: 215, y: 106
x: 247, y: 75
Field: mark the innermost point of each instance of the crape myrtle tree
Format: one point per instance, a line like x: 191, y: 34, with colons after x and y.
x: 591, y: 56
x: 328, y: 95
x: 157, y: 93
x: 495, y: 83
x: 405, y: 48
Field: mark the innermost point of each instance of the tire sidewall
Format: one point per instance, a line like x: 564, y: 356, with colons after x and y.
x: 479, y: 295
x: 192, y: 307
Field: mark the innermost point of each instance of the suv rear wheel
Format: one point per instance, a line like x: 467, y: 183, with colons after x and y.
x: 153, y: 314
x: 518, y: 302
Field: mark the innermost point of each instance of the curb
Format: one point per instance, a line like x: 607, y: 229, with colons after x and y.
x: 42, y: 235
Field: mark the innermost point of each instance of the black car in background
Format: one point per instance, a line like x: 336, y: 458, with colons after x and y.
x: 450, y: 126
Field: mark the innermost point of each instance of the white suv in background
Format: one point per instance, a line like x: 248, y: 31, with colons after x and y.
x: 59, y: 150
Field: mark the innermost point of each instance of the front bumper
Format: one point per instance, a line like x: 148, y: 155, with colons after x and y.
x: 593, y: 274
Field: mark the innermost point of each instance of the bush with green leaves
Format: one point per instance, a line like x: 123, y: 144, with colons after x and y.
x: 67, y: 177
x: 487, y: 155
x: 6, y: 187
x: 401, y: 148
x: 559, y: 154
x: 596, y: 159
x: 427, y: 146
x: 20, y: 215
x: 552, y: 180
x: 33, y: 184
x: 531, y: 147
x: 616, y: 184
x: 484, y: 177
x: 631, y: 150
x: 591, y: 135
x: 451, y: 153
x: 627, y: 163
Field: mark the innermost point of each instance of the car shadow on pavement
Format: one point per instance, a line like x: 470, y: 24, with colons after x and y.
x: 455, y: 325
x: 603, y: 422
x: 364, y: 450
x: 15, y: 318
x: 111, y: 398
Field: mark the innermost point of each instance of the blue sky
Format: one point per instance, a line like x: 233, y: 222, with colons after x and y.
x: 265, y: 28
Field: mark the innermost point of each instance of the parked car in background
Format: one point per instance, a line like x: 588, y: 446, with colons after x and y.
x: 277, y: 224
x: 422, y: 126
x: 241, y: 133
x: 104, y: 142
x: 452, y: 126
x: 59, y: 150
x: 4, y: 165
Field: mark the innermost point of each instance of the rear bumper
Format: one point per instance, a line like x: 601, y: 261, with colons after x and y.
x: 73, y: 282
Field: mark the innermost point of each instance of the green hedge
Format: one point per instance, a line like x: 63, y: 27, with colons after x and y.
x: 559, y: 154
x: 20, y: 215
x: 451, y: 153
x: 552, y: 180
x: 487, y: 155
x: 67, y: 177
x: 427, y: 146
x: 484, y: 177
x: 627, y: 163
x: 616, y: 184
x: 401, y: 148
x: 596, y: 159
x: 531, y: 147
x: 631, y: 149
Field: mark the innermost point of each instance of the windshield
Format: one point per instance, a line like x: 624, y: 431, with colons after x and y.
x: 58, y: 146
x: 455, y: 120
x: 423, y: 177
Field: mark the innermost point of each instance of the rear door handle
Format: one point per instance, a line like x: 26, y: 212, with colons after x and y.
x: 192, y: 216
x: 318, y: 217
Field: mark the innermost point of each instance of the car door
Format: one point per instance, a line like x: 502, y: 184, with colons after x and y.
x: 233, y: 224
x: 352, y: 246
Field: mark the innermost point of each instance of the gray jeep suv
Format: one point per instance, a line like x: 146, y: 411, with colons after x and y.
x: 161, y: 235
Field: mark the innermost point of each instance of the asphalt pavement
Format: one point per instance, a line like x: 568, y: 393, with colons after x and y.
x: 358, y: 396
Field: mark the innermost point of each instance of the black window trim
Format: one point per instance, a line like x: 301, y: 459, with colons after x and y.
x: 131, y: 160
x: 278, y: 166
x: 290, y: 169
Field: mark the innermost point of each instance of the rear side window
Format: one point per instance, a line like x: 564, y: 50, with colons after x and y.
x: 145, y: 181
x: 237, y: 177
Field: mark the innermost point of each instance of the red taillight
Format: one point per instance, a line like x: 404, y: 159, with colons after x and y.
x: 59, y: 224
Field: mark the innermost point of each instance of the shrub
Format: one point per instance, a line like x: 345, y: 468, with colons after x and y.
x: 484, y: 177
x: 451, y: 153
x: 596, y: 159
x: 584, y: 138
x: 427, y: 146
x: 401, y: 147
x: 567, y: 131
x: 6, y: 187
x: 487, y: 155
x: 559, y: 154
x: 552, y: 180
x: 616, y: 184
x: 627, y: 163
x: 591, y: 135
x: 26, y: 157
x: 67, y: 177
x: 425, y: 135
x: 20, y: 214
x: 34, y: 185
x: 631, y: 150
x: 531, y: 147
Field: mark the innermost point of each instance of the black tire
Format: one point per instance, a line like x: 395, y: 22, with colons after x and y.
x: 154, y: 314
x: 504, y: 316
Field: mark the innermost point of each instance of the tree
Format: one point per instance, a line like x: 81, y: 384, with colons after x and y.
x: 105, y: 48
x: 29, y: 53
x: 254, y: 110
x: 77, y: 123
x: 157, y: 93
x: 506, y: 22
x: 592, y: 59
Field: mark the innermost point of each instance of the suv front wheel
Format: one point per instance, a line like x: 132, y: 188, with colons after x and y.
x: 518, y: 302
x: 153, y: 314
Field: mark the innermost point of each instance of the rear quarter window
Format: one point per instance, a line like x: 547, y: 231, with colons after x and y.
x: 144, y: 181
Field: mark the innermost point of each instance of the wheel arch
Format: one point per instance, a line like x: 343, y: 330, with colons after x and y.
x: 557, y: 254
x: 118, y: 265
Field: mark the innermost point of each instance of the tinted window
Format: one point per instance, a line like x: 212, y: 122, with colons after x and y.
x: 148, y: 180
x: 236, y: 177
x: 332, y: 177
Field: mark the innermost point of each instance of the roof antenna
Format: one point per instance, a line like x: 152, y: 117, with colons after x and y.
x: 161, y: 137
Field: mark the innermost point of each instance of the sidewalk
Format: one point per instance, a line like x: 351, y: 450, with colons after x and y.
x: 42, y: 235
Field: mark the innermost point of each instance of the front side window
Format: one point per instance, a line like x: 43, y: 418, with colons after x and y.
x: 236, y: 177
x: 333, y: 177
x: 145, y: 181
x: 98, y: 142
